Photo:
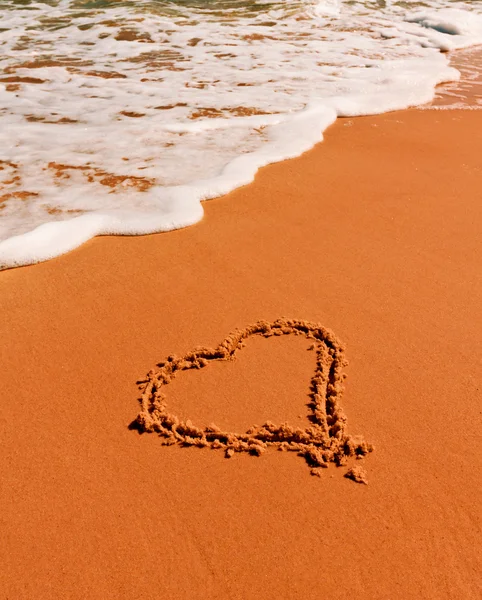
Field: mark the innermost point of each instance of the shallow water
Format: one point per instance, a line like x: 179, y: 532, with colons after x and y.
x: 121, y: 117
x: 466, y: 93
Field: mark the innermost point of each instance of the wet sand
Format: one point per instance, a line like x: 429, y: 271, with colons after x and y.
x: 374, y: 234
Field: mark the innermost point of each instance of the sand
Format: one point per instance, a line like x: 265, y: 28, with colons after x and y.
x: 467, y: 92
x: 322, y: 441
x: 375, y: 235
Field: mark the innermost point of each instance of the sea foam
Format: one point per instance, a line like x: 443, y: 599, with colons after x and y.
x: 122, y: 119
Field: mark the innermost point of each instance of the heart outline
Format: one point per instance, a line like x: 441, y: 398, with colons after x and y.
x: 325, y: 441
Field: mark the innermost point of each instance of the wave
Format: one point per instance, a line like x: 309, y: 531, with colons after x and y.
x: 122, y: 119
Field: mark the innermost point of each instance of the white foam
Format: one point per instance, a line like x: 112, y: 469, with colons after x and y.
x: 463, y: 26
x: 132, y: 134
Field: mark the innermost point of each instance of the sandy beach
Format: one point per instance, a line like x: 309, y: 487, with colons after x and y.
x: 375, y: 235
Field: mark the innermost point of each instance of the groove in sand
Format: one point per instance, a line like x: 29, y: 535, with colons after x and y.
x: 323, y: 442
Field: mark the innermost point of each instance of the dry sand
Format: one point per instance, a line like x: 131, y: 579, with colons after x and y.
x: 374, y: 234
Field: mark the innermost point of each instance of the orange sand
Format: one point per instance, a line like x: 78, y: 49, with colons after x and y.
x: 322, y: 441
x: 375, y: 234
x: 468, y: 91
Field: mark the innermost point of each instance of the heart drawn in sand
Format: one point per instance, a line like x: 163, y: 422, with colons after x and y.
x: 323, y: 441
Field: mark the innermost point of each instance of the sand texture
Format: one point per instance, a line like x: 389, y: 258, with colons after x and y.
x: 322, y: 442
x: 375, y: 235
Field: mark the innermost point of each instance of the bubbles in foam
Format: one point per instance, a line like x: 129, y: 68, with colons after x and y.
x: 122, y: 117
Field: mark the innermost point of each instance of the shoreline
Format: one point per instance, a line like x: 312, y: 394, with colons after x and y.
x: 375, y: 235
x: 139, y: 223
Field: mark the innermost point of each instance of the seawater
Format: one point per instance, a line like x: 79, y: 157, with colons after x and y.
x: 122, y: 117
